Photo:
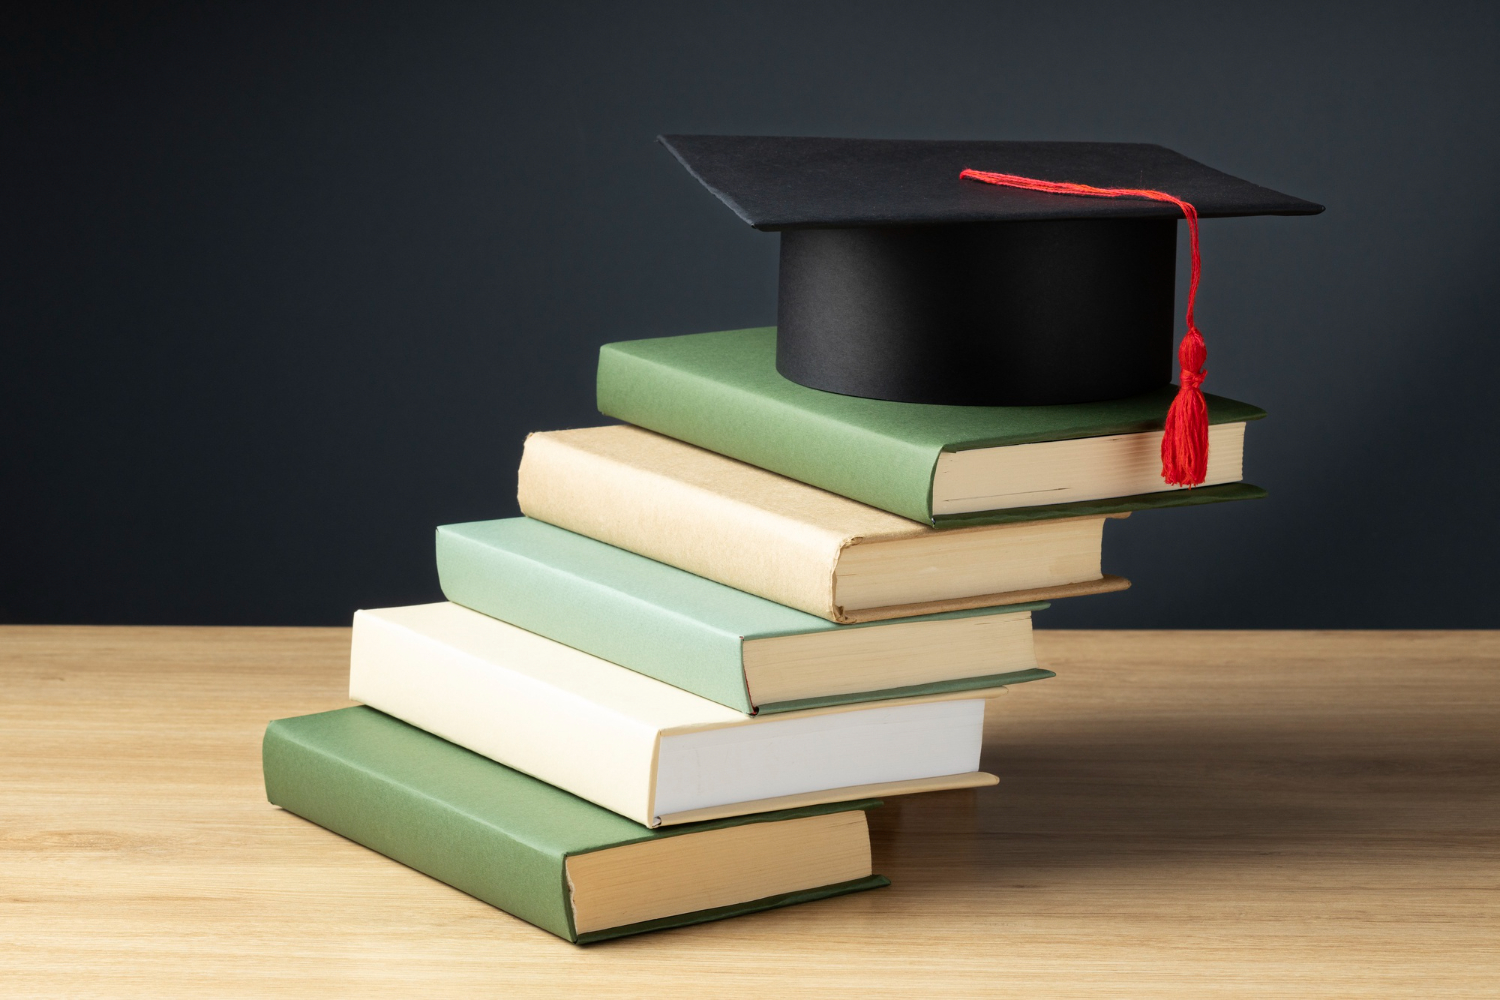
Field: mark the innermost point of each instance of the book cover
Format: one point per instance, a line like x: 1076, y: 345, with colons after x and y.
x: 658, y: 620
x: 721, y: 391
x: 492, y: 832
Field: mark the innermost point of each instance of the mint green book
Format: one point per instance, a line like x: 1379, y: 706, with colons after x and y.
x: 739, y: 650
x: 538, y: 853
x: 947, y: 466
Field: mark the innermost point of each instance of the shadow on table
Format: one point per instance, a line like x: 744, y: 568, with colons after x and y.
x: 1169, y: 792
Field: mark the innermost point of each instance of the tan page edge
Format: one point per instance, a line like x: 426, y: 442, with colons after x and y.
x: 967, y: 694
x: 919, y: 529
x: 1104, y: 585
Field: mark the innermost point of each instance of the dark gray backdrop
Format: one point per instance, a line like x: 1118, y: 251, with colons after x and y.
x: 285, y: 287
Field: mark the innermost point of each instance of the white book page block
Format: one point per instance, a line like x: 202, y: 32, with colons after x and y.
x: 772, y: 758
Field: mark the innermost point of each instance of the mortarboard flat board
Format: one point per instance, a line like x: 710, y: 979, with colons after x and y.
x: 901, y: 281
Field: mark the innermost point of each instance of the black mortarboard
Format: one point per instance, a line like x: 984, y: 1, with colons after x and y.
x: 900, y: 280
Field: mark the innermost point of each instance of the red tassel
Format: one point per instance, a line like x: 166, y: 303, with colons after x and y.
x: 1184, y: 447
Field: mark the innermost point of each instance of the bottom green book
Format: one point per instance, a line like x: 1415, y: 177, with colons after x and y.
x: 566, y: 865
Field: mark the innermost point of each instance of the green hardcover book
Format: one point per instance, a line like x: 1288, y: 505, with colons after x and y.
x: 554, y: 860
x: 731, y: 647
x: 947, y: 466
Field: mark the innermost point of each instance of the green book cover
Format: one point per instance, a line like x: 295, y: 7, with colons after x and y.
x: 650, y: 617
x: 721, y: 391
x: 494, y: 833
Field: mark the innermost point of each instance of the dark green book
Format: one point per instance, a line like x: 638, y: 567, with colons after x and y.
x: 739, y: 650
x: 550, y: 858
x: 947, y: 466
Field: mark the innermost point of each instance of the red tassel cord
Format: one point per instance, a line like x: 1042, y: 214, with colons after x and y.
x: 1184, y: 448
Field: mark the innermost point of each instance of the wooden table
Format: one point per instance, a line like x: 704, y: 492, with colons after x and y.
x: 1180, y: 814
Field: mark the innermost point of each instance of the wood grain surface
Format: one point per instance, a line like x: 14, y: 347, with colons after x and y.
x: 1180, y: 814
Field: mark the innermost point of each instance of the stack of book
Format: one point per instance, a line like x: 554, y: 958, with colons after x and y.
x: 728, y: 626
x: 669, y: 692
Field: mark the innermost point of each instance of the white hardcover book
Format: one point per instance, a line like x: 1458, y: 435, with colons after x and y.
x: 637, y: 746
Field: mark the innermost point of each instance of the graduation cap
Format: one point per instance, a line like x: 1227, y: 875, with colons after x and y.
x: 982, y: 273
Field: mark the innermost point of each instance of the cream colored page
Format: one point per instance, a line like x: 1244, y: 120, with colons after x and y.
x: 995, y: 559
x: 696, y: 510
x: 538, y: 706
x: 898, y: 654
x: 1051, y: 472
x: 982, y: 694
x: 661, y: 878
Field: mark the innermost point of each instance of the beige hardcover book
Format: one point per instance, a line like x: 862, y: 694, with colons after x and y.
x: 793, y: 543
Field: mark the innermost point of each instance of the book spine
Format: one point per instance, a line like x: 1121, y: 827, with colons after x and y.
x: 562, y: 738
x: 598, y: 619
x: 843, y: 458
x: 678, y: 524
x: 422, y: 832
